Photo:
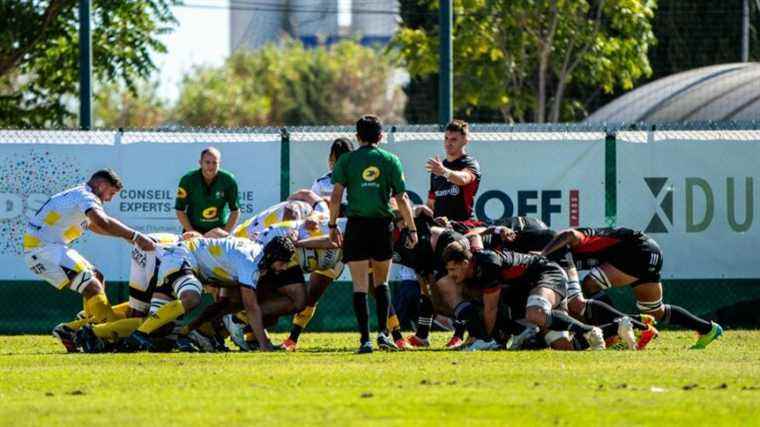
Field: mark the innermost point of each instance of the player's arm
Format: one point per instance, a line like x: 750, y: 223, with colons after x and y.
x: 232, y: 220
x: 335, y: 199
x: 216, y: 233
x: 566, y: 237
x: 320, y: 242
x: 233, y: 200
x: 180, y: 204
x: 460, y: 178
x: 113, y: 227
x: 255, y: 319
x: 405, y: 208
x: 490, y: 308
x: 184, y: 220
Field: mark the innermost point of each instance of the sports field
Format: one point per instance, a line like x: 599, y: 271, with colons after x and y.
x: 326, y: 384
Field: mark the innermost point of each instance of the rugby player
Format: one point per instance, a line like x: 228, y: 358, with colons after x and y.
x: 300, y: 205
x: 543, y: 281
x: 142, y: 284
x: 60, y: 221
x: 617, y: 257
x: 230, y: 262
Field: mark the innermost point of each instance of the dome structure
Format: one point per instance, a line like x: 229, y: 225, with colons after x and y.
x: 719, y: 92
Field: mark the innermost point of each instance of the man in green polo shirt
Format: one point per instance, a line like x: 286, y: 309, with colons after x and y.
x: 203, y: 196
x: 371, y: 175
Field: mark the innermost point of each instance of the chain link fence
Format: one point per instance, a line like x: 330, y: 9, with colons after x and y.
x: 271, y: 163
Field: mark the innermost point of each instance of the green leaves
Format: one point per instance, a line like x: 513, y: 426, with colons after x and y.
x: 290, y: 85
x: 536, y: 60
x: 39, y: 53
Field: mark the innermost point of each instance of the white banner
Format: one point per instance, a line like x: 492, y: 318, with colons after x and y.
x: 36, y: 165
x: 695, y: 194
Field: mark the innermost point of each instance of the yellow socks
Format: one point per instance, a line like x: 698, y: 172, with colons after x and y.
x: 118, y: 329
x: 98, y: 308
x: 304, y: 317
x: 120, y: 310
x: 393, y: 323
x: 77, y: 324
x: 168, y: 313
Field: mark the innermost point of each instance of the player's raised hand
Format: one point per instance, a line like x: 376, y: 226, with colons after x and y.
x: 435, y: 166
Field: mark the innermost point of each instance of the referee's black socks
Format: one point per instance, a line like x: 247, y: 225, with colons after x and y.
x: 382, y: 303
x: 362, y: 315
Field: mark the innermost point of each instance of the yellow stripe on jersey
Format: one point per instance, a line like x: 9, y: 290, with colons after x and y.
x: 164, y: 238
x: 242, y: 229
x: 72, y: 233
x: 192, y: 245
x: 215, y: 250
x: 52, y: 218
x: 271, y: 219
x: 31, y: 242
x: 221, y: 273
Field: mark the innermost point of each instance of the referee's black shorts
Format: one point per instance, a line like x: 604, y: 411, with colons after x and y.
x: 368, y: 238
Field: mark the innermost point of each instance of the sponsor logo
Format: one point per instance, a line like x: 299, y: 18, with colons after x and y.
x: 371, y: 173
x: 210, y: 213
x: 181, y: 193
x: 704, y: 203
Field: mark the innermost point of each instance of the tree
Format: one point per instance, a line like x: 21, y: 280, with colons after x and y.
x: 697, y: 33
x: 289, y: 84
x: 117, y: 106
x: 536, y: 60
x: 39, y: 52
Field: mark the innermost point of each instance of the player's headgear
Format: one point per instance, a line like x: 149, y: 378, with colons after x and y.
x: 280, y: 248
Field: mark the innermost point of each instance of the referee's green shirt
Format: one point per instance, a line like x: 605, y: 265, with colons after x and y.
x: 371, y: 176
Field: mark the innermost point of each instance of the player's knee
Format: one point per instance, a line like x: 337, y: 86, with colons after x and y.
x: 576, y: 305
x: 188, y: 289
x: 597, y: 280
x: 652, y: 308
x: 537, y: 309
x: 86, y: 284
x: 558, y: 340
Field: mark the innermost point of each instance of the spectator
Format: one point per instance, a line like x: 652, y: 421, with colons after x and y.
x: 203, y: 196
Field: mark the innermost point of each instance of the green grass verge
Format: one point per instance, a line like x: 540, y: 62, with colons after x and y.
x: 324, y: 383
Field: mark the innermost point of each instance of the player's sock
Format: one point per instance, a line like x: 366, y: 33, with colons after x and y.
x: 77, y: 324
x: 675, y: 315
x: 560, y: 321
x: 118, y: 329
x: 603, y: 297
x: 394, y: 325
x: 97, y: 305
x: 600, y: 313
x: 120, y: 310
x: 609, y: 329
x: 300, y: 321
x: 361, y: 310
x: 425, y: 320
x: 168, y: 313
x: 382, y: 303
x: 207, y: 329
x: 467, y: 315
x: 459, y: 329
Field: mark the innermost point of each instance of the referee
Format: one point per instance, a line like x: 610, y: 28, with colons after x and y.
x: 371, y: 176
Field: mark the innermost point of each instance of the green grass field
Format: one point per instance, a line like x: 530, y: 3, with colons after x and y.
x: 324, y: 383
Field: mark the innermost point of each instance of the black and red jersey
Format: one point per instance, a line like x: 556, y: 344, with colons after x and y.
x: 600, y: 243
x: 453, y: 201
x: 494, y: 268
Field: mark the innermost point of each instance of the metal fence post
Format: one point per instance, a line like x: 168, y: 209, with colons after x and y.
x: 284, y: 164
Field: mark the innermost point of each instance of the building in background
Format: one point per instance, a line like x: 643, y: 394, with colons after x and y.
x: 256, y: 23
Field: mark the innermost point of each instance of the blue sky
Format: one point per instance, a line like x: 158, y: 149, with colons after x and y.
x: 202, y: 37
